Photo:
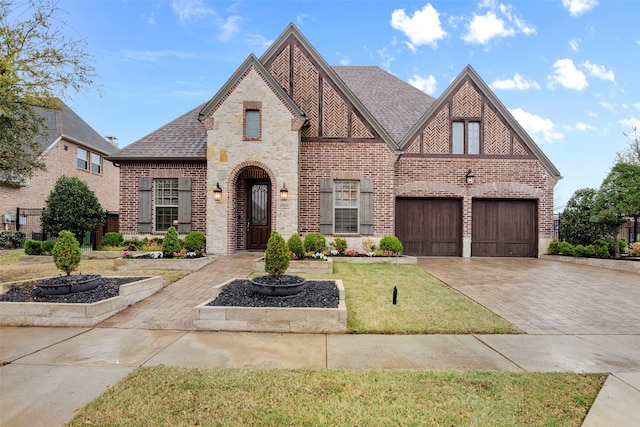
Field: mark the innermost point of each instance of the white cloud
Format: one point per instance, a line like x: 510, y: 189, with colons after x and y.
x: 637, y: 105
x: 498, y: 21
x: 630, y: 123
x: 154, y: 55
x: 567, y: 75
x: 191, y: 9
x: 301, y: 17
x: 599, y: 71
x: 609, y: 106
x: 387, y: 58
x: 538, y: 127
x: 516, y: 83
x: 427, y: 85
x: 149, y: 19
x: 580, y: 126
x: 578, y: 7
x: 592, y: 114
x: 229, y: 28
x: 575, y: 44
x: 422, y: 28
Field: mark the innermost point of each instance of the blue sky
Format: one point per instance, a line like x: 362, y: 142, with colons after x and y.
x: 568, y: 70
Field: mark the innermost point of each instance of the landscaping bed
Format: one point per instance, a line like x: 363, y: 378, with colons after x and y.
x: 137, y: 263
x: 22, y: 305
x: 312, y: 312
x: 631, y: 265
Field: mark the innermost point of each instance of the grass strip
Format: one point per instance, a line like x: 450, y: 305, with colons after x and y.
x: 272, y: 397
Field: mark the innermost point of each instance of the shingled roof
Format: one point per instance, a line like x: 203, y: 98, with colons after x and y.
x: 184, y: 138
x: 395, y: 104
x: 65, y: 123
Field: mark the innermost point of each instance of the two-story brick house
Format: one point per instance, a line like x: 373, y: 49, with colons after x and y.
x: 71, y: 147
x: 294, y: 145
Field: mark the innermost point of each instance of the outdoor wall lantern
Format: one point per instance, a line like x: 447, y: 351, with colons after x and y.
x: 284, y: 193
x: 217, y: 193
x: 469, y: 178
x: 175, y: 222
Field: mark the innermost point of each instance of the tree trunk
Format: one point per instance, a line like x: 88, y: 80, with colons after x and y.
x: 616, y: 244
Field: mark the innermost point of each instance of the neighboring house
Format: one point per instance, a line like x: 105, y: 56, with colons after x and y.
x: 294, y: 145
x: 70, y: 147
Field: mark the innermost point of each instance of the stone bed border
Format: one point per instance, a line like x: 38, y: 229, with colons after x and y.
x: 73, y: 314
x: 271, y: 319
x: 326, y: 267
x: 612, y: 264
x: 186, y: 264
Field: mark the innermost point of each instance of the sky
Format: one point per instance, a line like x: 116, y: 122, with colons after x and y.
x: 568, y: 70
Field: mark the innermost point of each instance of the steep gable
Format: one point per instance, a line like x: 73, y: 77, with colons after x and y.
x: 468, y: 98
x: 330, y: 106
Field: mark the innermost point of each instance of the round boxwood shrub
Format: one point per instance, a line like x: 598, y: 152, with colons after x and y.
x: 66, y: 252
x: 112, y: 239
x: 391, y: 243
x: 195, y: 241
x: 47, y: 246
x: 33, y: 247
x: 295, y: 246
x: 276, y: 257
x: 340, y: 245
x: 170, y: 243
x: 315, y: 242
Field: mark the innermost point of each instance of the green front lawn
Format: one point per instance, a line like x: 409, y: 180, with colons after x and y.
x: 164, y: 396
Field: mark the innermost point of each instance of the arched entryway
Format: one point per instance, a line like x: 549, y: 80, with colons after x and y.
x: 253, y: 206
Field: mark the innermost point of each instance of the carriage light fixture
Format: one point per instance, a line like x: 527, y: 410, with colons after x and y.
x: 284, y: 193
x: 217, y: 193
x: 469, y: 178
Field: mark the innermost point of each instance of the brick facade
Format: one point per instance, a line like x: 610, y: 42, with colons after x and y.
x: 130, y: 174
x: 61, y: 159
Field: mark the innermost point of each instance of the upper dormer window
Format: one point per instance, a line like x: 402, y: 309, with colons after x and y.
x: 83, y: 159
x: 252, y: 120
x: 465, y: 138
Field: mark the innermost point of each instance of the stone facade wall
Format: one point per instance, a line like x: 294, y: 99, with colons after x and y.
x: 228, y: 154
x: 131, y: 172
x: 347, y: 160
x: 61, y: 159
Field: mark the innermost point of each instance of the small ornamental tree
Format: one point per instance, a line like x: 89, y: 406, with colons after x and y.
x: 295, y: 246
x: 391, y: 243
x: 276, y: 257
x: 170, y: 243
x: 72, y: 206
x: 66, y: 252
x: 315, y: 242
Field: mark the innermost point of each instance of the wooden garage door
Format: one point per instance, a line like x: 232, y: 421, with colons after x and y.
x: 504, y: 228
x: 431, y: 227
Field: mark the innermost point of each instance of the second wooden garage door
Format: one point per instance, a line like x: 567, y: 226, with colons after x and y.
x: 504, y: 228
x: 430, y: 227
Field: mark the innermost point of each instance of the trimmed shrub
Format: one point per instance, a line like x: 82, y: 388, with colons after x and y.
x: 276, y: 257
x: 47, y: 246
x: 170, y: 243
x: 602, y: 248
x: 579, y: 251
x: 554, y: 248
x: 195, y: 241
x: 33, y: 247
x: 566, y: 248
x: 340, y: 245
x: 391, y: 243
x: 315, y: 242
x: 295, y: 246
x: 66, y: 252
x: 112, y: 239
x: 12, y: 239
x: 134, y: 244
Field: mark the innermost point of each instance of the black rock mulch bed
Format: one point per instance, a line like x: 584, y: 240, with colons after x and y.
x: 108, y: 288
x: 318, y: 294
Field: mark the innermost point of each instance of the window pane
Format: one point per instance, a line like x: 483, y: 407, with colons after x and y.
x: 346, y: 194
x: 166, y: 192
x: 95, y: 163
x: 82, y: 159
x: 458, y: 138
x: 165, y: 217
x: 252, y: 122
x: 474, y: 138
x: 346, y: 221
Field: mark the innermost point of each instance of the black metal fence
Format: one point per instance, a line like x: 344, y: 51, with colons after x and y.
x: 28, y: 220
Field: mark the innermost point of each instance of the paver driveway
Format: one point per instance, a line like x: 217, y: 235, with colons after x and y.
x: 544, y: 296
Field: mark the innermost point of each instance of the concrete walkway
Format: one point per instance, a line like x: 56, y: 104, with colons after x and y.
x: 56, y: 371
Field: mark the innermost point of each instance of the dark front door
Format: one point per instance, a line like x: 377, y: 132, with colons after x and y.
x: 430, y: 227
x: 258, y: 215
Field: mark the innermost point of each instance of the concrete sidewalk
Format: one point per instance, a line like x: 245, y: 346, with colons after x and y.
x: 56, y: 371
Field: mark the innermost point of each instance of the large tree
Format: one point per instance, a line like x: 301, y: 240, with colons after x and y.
x: 576, y: 226
x: 618, y: 199
x: 72, y: 206
x: 632, y: 153
x: 38, y: 65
